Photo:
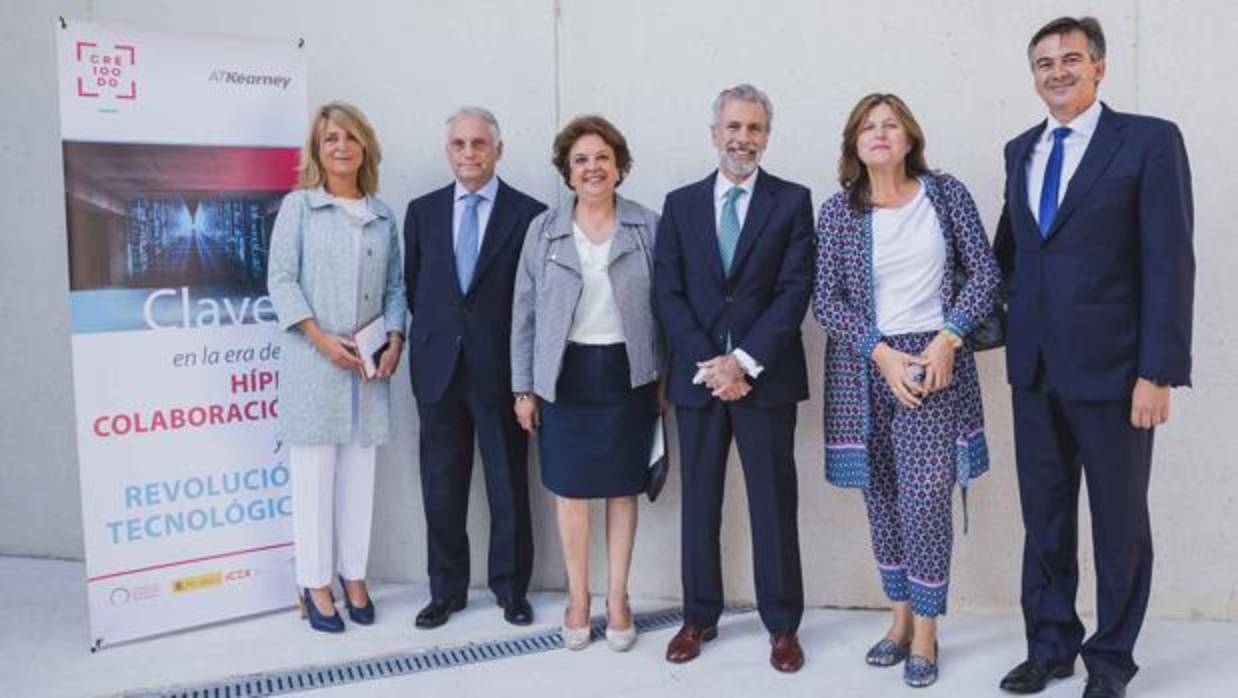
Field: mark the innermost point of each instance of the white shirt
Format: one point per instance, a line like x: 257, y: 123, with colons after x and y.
x: 909, y: 259
x: 722, y: 185
x: 484, y: 206
x: 596, y: 320
x: 1073, y: 147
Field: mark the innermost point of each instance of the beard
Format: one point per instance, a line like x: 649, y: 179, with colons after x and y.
x: 737, y: 167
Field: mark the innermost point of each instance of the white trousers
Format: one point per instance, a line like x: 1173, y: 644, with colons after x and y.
x: 332, y: 510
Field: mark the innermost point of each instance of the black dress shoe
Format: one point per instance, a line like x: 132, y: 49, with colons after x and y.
x: 1101, y: 686
x: 1032, y: 676
x: 517, y: 610
x: 437, y: 612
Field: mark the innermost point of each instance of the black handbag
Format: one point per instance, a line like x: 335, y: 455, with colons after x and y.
x: 989, y: 333
x: 655, y: 475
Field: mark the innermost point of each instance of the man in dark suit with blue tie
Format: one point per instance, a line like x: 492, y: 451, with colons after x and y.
x: 1095, y: 242
x: 461, y: 245
x: 732, y: 278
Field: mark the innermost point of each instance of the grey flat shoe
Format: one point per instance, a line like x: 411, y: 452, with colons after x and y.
x: 919, y: 671
x: 887, y: 653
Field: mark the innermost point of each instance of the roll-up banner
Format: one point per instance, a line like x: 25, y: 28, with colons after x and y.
x: 177, y: 152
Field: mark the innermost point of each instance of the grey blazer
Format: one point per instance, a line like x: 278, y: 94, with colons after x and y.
x: 548, y: 286
x: 310, y: 275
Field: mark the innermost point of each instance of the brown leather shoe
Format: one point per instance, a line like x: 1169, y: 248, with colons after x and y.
x: 686, y: 645
x: 785, y: 653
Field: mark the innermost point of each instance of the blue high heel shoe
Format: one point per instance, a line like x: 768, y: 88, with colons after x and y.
x: 325, y: 624
x: 361, y: 616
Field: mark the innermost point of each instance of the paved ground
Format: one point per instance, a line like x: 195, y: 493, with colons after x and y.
x: 43, y: 630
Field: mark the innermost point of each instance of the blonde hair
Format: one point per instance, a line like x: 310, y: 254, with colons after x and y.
x: 346, y: 116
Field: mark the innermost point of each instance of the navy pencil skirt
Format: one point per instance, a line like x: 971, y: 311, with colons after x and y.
x: 596, y: 436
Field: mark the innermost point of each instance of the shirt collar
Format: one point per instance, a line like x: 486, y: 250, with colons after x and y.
x: 1083, y: 125
x: 722, y: 185
x: 487, y: 192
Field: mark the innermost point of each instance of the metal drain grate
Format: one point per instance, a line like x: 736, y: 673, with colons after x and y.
x: 297, y: 680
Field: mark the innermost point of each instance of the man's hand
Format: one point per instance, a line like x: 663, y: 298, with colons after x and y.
x: 725, y: 378
x: 721, y: 371
x: 1149, y: 404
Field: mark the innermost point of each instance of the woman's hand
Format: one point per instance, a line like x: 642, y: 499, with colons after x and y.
x: 895, y: 367
x: 939, y: 363
x: 340, y: 351
x: 527, y: 412
x: 664, y: 404
x: 389, y: 360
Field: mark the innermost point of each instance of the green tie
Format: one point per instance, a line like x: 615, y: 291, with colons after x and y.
x: 728, y: 228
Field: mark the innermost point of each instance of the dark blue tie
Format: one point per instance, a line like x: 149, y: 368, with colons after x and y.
x: 1053, y: 180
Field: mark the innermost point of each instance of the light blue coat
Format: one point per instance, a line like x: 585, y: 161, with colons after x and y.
x: 311, y: 274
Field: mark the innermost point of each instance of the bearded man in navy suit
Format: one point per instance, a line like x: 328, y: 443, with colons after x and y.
x: 461, y: 246
x: 1095, y: 242
x: 732, y: 278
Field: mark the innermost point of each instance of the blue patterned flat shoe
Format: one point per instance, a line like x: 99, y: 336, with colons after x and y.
x: 887, y: 653
x: 919, y: 671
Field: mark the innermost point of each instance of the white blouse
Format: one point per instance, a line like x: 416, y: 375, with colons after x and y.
x: 909, y: 259
x: 358, y: 216
x: 596, y: 320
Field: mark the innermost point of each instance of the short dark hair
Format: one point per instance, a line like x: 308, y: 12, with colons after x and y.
x: 1088, y: 26
x: 590, y: 125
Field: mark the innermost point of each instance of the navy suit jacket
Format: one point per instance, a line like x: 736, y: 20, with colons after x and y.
x: 446, y: 321
x: 761, y: 303
x: 1107, y: 297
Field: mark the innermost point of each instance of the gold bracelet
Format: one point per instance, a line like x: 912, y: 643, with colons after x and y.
x: 954, y: 340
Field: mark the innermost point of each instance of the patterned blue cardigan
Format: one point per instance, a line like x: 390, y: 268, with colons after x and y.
x: 843, y: 303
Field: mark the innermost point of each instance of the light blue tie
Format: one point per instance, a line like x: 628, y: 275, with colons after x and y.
x: 466, y: 241
x: 728, y: 228
x: 1053, y: 181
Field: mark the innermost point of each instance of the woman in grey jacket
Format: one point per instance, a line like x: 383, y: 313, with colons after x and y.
x: 334, y: 266
x: 585, y: 361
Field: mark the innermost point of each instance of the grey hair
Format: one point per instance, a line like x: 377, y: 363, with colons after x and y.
x: 484, y: 114
x: 1088, y: 26
x: 746, y: 93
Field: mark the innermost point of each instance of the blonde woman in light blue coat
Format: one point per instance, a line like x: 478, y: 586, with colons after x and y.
x: 335, y: 265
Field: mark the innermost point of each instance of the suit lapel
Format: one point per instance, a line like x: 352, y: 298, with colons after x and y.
x: 440, y: 230
x: 1101, y: 149
x: 758, y: 215
x: 1019, y: 180
x: 705, y: 227
x: 496, y: 235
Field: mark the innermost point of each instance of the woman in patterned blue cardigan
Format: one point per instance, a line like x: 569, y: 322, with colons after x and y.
x: 903, y: 419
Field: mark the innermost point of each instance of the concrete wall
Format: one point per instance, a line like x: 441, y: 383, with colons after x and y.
x: 653, y: 67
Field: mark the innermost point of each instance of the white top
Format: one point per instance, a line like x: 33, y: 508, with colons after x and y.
x: 484, y: 206
x: 1073, y: 147
x: 909, y: 259
x: 358, y: 215
x: 597, y: 317
x: 722, y: 185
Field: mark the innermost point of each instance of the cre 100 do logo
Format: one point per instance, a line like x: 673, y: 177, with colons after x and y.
x: 106, y: 72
